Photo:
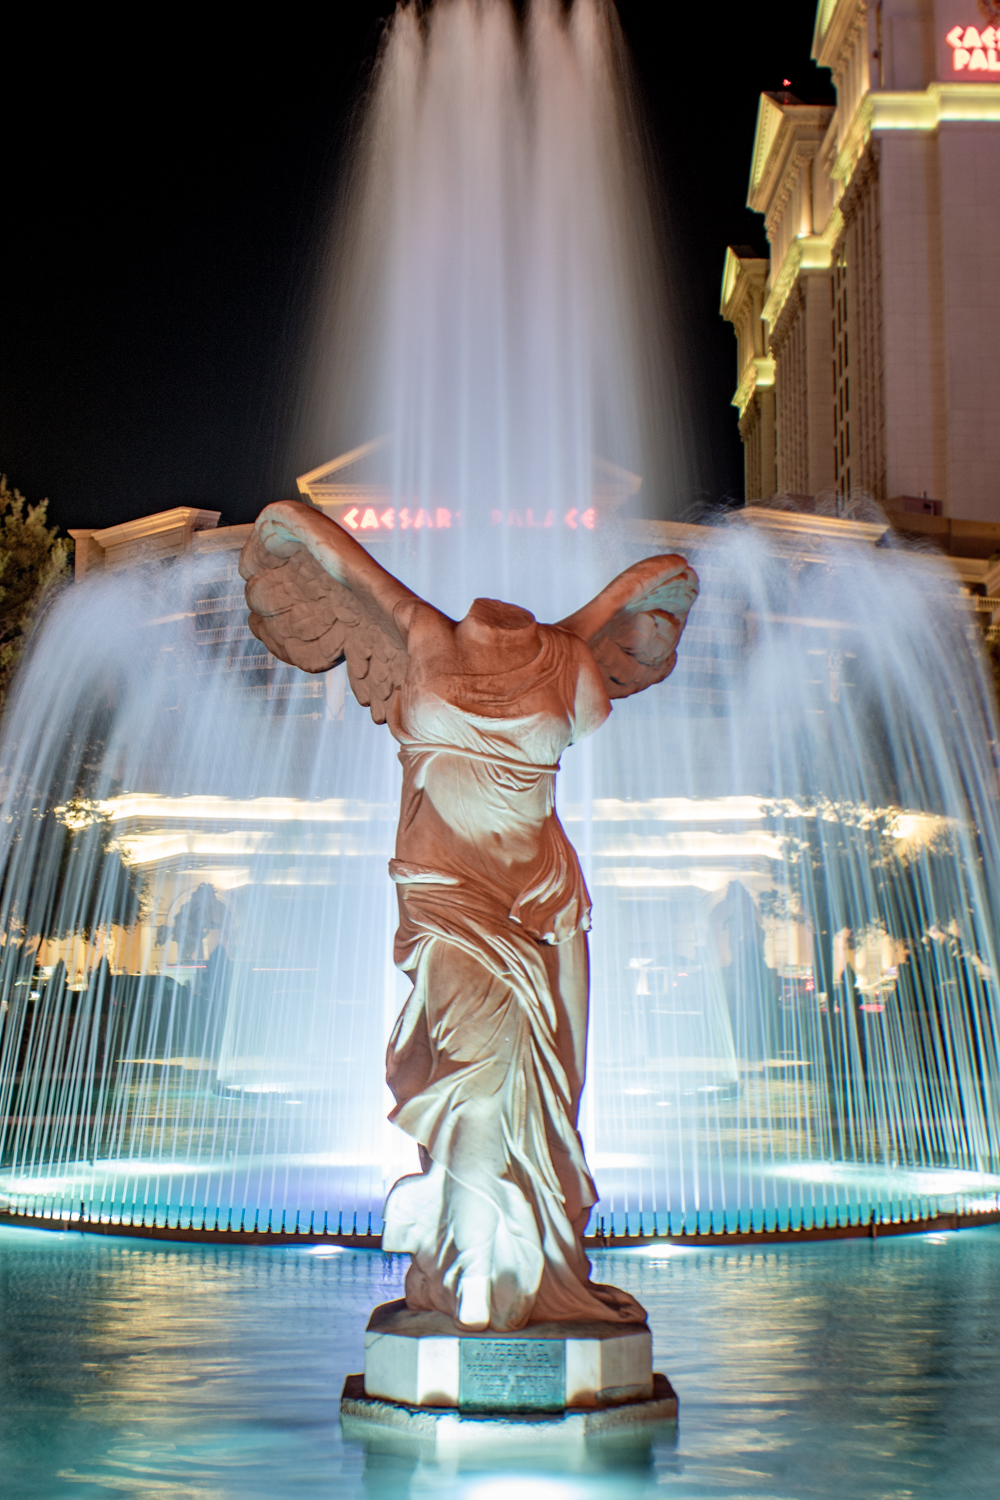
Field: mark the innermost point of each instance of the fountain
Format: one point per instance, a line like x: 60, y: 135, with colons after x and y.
x: 790, y: 853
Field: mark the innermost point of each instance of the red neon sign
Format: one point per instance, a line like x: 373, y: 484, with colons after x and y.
x: 974, y: 51
x: 440, y: 518
x: 373, y: 518
x: 526, y: 518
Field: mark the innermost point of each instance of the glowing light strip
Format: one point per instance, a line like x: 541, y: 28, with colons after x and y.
x: 252, y: 809
x: 158, y: 848
x: 915, y: 111
x: 759, y: 374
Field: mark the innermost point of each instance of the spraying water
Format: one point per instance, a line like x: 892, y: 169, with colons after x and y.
x: 790, y: 844
x: 495, y: 296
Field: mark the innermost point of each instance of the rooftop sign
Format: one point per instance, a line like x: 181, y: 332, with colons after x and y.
x: 974, y: 51
x: 440, y: 518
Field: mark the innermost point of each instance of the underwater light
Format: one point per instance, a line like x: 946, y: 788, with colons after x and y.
x: 658, y: 1251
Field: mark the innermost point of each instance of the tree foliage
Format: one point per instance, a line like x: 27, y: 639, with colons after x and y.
x: 32, y: 561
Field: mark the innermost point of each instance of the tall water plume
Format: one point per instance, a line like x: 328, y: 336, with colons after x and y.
x: 790, y: 845
x: 495, y: 301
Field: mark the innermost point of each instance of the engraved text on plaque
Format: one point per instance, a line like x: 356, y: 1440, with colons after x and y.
x: 512, y: 1374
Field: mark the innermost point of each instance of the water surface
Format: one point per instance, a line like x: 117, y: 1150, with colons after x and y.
x: 850, y: 1370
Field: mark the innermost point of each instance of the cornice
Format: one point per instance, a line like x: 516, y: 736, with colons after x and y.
x: 797, y: 137
x: 733, y: 310
x: 740, y: 276
x: 836, y: 23
x: 758, y: 375
x: 182, y: 516
x: 791, y: 525
x: 808, y: 252
x: 765, y: 133
x: 924, y: 110
x: 801, y: 153
x: 305, y: 482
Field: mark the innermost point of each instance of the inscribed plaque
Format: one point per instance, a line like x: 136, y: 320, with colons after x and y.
x: 512, y: 1374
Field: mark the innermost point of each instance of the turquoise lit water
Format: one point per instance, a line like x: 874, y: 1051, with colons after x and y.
x: 852, y: 1369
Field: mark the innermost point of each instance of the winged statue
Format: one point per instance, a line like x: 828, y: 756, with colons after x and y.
x: 487, y: 1059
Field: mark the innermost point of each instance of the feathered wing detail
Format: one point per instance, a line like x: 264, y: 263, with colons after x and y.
x: 634, y: 624
x: 317, y: 598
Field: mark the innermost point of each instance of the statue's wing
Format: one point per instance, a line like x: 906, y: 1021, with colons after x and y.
x: 317, y: 598
x: 634, y: 624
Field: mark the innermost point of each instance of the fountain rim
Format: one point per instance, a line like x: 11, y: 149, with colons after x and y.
x: 876, y: 1226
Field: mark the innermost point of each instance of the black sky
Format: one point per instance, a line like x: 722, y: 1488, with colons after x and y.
x: 164, y: 193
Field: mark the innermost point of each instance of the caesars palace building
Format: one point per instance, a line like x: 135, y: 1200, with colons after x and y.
x: 869, y: 339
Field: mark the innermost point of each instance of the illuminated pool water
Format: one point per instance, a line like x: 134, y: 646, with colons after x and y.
x: 852, y: 1369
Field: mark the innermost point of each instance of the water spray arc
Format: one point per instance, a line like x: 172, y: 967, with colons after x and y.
x: 794, y: 968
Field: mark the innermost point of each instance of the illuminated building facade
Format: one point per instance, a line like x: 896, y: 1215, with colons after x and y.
x: 869, y: 342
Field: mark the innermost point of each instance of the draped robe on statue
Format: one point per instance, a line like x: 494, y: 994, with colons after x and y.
x: 486, y: 1060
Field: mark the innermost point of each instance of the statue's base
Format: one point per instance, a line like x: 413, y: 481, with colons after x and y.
x: 424, y: 1359
x: 393, y: 1425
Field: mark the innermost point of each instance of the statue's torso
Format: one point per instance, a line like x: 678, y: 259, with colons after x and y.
x: 479, y: 751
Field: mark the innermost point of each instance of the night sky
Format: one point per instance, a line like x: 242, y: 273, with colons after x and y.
x: 166, y: 191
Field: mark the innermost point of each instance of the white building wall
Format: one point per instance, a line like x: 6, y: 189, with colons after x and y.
x: 907, y: 182
x: 908, y: 52
x: 970, y: 293
x: 914, y: 396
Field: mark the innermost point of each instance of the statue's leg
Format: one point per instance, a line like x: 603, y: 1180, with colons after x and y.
x: 489, y: 1087
x: 468, y: 1221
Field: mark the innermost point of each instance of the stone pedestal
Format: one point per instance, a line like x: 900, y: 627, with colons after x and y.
x: 424, y: 1359
x: 429, y: 1382
x: 443, y: 1432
